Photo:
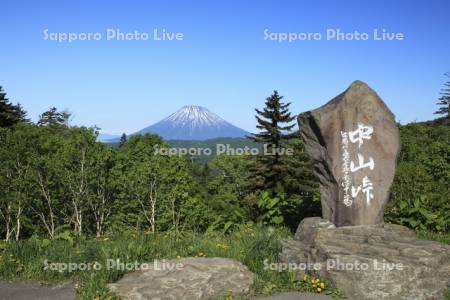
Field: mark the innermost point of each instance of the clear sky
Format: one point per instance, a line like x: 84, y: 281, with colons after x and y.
x: 223, y: 62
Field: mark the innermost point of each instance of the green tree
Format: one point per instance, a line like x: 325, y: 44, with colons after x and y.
x: 283, y: 170
x: 10, y: 114
x: 227, y: 188
x: 50, y: 205
x: 275, y: 122
x: 300, y: 186
x: 123, y: 140
x: 53, y: 117
x: 444, y: 100
x: 16, y: 150
x: 153, y: 187
x: 101, y: 199
x: 77, y: 155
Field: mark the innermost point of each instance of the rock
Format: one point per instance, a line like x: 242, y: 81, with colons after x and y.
x: 309, y: 228
x: 293, y: 296
x: 371, y: 262
x: 353, y: 141
x: 194, y: 278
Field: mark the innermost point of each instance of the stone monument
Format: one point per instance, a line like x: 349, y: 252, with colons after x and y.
x: 353, y: 141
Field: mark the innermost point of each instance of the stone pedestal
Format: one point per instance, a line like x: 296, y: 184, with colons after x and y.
x: 371, y: 262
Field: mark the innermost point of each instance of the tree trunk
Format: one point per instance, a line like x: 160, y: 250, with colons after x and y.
x: 18, y: 223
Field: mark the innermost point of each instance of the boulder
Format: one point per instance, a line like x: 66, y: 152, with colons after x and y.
x: 371, y: 262
x: 187, y: 278
x: 353, y: 141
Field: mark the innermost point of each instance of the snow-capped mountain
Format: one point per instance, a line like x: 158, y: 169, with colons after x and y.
x: 193, y: 123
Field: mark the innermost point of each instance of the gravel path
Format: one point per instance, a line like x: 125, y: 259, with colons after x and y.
x: 27, y: 290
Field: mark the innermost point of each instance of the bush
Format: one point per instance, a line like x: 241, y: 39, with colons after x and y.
x: 421, y: 189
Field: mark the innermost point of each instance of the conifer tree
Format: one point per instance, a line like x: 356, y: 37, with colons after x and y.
x: 54, y: 117
x: 275, y: 123
x: 444, y: 100
x: 123, y: 140
x: 10, y: 114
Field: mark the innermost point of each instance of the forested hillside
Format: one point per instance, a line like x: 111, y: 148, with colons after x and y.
x: 56, y: 178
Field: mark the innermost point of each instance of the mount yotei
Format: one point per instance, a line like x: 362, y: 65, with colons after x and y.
x: 193, y: 123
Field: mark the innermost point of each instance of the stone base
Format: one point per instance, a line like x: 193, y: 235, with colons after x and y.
x: 371, y: 262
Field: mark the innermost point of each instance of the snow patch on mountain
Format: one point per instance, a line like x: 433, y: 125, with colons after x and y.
x: 194, y: 122
x: 195, y: 116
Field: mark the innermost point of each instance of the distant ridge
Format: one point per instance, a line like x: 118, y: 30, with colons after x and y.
x: 105, y: 137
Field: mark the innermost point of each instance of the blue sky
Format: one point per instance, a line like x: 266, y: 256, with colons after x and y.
x: 223, y: 61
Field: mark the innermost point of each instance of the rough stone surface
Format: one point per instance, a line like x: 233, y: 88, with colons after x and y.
x: 322, y: 129
x: 424, y: 275
x: 199, y: 278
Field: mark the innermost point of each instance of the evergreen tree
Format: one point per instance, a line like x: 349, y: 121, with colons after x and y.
x: 123, y: 140
x: 54, y: 117
x: 274, y: 121
x: 10, y: 114
x: 444, y: 100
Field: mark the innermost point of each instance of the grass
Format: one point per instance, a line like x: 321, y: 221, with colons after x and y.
x: 439, y: 237
x: 250, y: 245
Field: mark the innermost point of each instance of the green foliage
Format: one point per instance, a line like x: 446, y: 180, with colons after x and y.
x: 233, y: 143
x: 283, y: 168
x: 53, y: 117
x: 123, y: 140
x: 226, y: 188
x: 300, y: 186
x: 272, y: 208
x: 10, y: 114
x: 152, y: 187
x: 416, y: 215
x: 444, y: 100
x: 55, y: 176
x: 274, y: 121
x: 421, y: 190
x: 434, y: 236
x: 66, y: 235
